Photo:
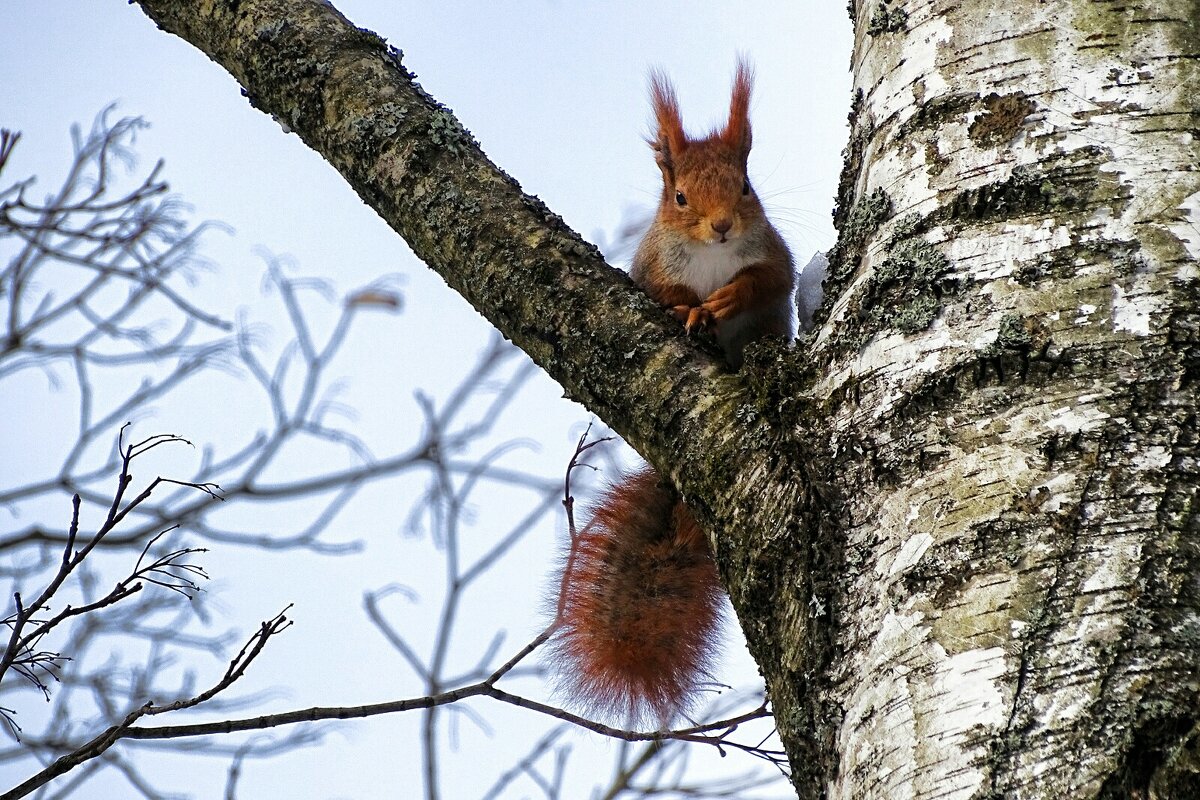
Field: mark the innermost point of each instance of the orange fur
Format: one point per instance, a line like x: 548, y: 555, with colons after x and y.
x: 641, y: 606
x: 714, y: 256
x: 640, y: 602
x: 670, y: 140
x: 737, y: 129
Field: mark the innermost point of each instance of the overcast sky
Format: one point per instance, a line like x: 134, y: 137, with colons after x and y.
x: 555, y: 93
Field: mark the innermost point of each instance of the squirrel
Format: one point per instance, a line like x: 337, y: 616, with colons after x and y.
x: 640, y: 602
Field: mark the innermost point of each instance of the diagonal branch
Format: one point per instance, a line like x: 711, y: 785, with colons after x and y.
x: 344, y: 91
x: 713, y: 733
x: 20, y: 641
x: 98, y: 745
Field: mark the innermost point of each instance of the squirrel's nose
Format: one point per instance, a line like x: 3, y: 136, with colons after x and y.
x: 722, y: 226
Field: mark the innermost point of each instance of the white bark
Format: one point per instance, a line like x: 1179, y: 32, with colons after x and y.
x: 1017, y: 613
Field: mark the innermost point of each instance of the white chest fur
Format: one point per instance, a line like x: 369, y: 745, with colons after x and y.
x: 710, y: 266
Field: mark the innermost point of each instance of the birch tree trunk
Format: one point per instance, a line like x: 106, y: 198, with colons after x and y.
x: 959, y: 524
x: 1016, y: 439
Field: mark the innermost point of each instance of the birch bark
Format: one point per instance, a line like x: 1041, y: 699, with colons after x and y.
x: 1009, y: 361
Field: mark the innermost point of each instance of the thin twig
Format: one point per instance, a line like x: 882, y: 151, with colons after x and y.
x: 124, y: 728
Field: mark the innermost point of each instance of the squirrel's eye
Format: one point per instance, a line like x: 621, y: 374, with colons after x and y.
x: 745, y: 187
x: 680, y: 199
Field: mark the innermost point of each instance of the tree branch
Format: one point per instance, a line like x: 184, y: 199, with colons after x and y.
x: 98, y: 745
x: 412, y: 161
x: 714, y: 733
x: 731, y: 443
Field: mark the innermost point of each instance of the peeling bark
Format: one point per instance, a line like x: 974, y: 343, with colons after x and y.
x: 959, y: 523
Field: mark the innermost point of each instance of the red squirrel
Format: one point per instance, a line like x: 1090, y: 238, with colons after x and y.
x: 641, y: 603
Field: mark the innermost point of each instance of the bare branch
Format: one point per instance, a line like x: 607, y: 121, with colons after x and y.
x: 525, y: 764
x: 8, y: 141
x: 97, y: 746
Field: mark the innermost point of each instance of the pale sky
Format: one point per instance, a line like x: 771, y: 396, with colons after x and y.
x: 555, y: 93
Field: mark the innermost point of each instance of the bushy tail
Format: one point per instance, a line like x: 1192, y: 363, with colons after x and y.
x: 640, y: 607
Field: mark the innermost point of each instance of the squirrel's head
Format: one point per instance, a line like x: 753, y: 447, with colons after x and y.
x: 706, y: 192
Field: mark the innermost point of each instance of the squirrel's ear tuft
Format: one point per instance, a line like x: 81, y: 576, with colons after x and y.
x: 669, y: 139
x: 737, y: 130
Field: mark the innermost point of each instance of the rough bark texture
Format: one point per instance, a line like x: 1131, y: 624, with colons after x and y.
x: 959, y: 523
x: 344, y: 91
x: 1010, y: 355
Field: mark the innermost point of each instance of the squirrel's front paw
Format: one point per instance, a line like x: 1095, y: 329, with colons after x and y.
x: 694, y: 318
x: 723, y: 303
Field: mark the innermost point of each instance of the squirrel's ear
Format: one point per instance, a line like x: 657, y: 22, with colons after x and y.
x: 737, y: 130
x: 669, y: 139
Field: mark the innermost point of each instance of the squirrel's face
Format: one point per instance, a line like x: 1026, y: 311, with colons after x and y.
x: 707, y: 195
